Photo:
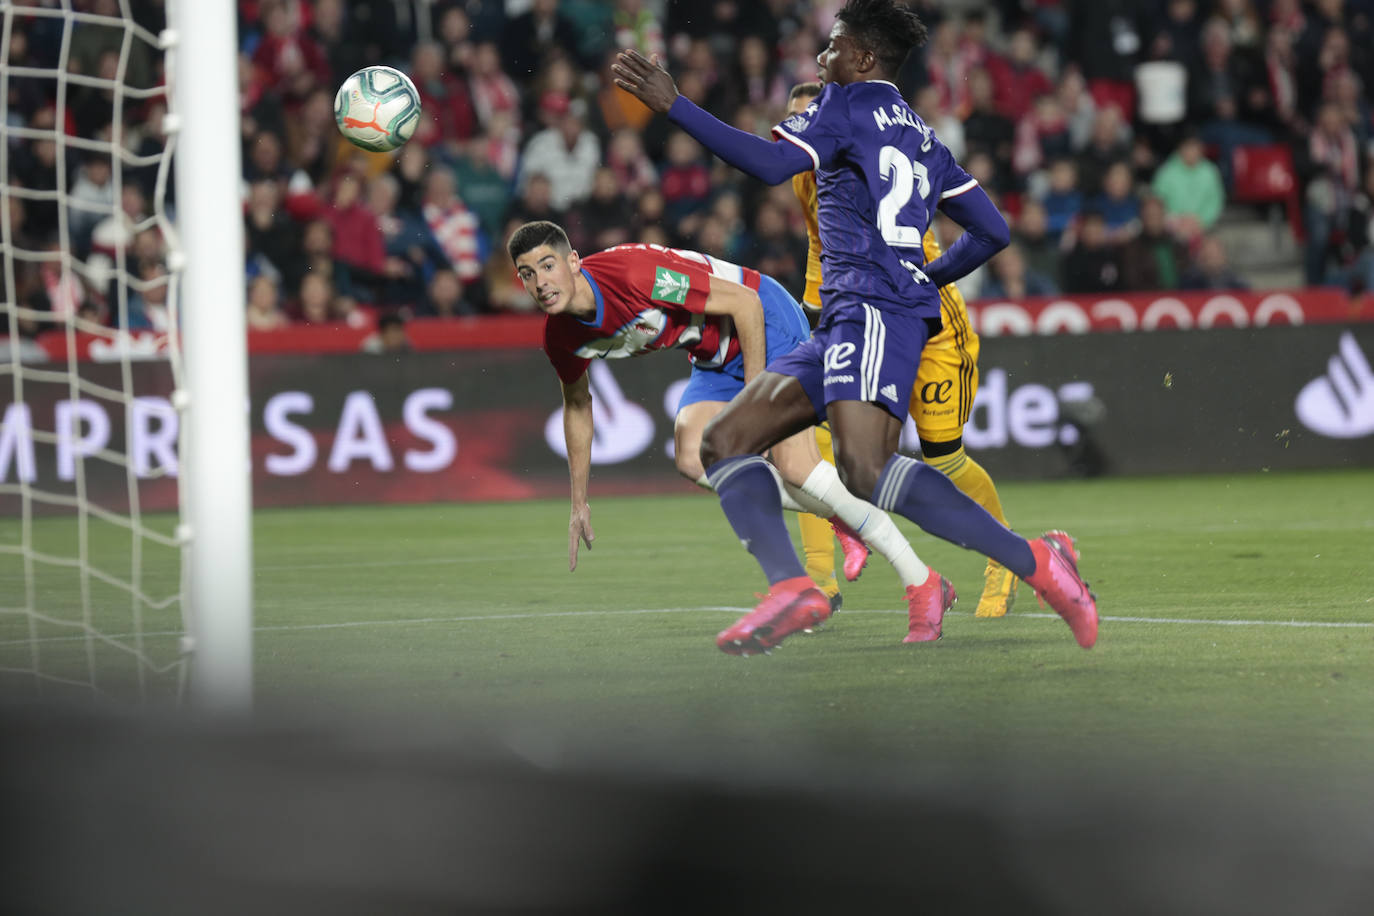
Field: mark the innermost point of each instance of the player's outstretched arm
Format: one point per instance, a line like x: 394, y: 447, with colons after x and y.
x: 745, y: 310
x: 985, y: 234
x: 767, y: 160
x: 577, y: 433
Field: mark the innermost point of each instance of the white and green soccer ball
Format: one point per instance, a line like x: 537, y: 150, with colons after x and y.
x: 377, y: 108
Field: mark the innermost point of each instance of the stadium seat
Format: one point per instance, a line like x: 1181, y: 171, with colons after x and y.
x: 1264, y: 174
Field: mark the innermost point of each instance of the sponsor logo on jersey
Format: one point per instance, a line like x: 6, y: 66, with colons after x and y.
x: 670, y: 286
x: 837, y: 356
x: 889, y: 392
x: 936, y: 392
x: 1340, y: 404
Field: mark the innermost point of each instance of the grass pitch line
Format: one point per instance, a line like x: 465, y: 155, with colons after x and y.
x: 641, y: 612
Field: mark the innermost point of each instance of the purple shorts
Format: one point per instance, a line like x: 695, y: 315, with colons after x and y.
x: 862, y: 354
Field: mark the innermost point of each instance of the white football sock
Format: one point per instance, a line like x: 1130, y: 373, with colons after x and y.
x: 872, y: 523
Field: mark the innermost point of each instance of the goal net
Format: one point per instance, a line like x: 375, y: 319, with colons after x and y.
x: 102, y: 470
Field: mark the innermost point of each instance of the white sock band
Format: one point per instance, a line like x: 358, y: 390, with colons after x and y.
x: 872, y: 524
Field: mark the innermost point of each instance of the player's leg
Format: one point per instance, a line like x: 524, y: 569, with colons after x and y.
x: 818, y: 538
x: 868, y: 387
x: 941, y: 401
x: 696, y: 408
x: 771, y: 408
x: 798, y: 460
x: 688, y: 425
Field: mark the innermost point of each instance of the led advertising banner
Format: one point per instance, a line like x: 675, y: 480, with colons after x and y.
x: 487, y: 424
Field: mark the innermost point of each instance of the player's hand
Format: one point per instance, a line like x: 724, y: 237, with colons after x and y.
x: 645, y: 79
x: 579, y: 529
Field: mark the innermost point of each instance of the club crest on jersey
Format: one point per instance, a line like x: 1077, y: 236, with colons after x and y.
x: 670, y: 286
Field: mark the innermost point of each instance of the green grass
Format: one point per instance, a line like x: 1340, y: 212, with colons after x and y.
x: 468, y: 612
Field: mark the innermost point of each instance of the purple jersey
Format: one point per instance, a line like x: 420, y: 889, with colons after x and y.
x: 880, y: 172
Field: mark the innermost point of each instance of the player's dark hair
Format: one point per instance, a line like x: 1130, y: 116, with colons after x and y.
x: 888, y: 28
x: 804, y: 91
x: 541, y: 232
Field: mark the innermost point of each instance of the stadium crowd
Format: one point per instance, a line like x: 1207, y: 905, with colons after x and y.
x: 1108, y: 131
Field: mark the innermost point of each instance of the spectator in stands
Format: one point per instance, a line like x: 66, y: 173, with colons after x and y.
x: 1106, y: 39
x: 313, y: 144
x: 686, y: 181
x: 1109, y: 142
x: 492, y: 88
x: 636, y: 26
x: 1063, y: 200
x: 35, y: 167
x: 390, y: 337
x: 317, y: 300
x: 1176, y: 35
x: 266, y: 159
x: 264, y: 304
x: 359, y: 249
x: 1281, y: 80
x: 567, y: 154
x: 1191, y: 188
x: 552, y: 92
x: 89, y: 195
x: 1355, y: 255
x: 331, y: 29
x: 1225, y: 90
x: 272, y: 240
x: 1118, y: 204
x: 146, y: 301
x: 634, y: 172
x: 1017, y: 78
x: 455, y: 228
x: 1154, y: 259
x: 603, y: 219
x: 1333, y: 154
x: 534, y: 203
x: 290, y: 60
x: 1211, y: 268
x: 317, y: 253
x: 444, y: 296
x: 1243, y: 25
x: 613, y: 108
x: 1078, y: 105
x: 486, y: 190
x: 1041, y: 136
x: 453, y: 26
x: 447, y: 116
x: 986, y: 129
x: 1031, y: 234
x: 531, y: 38
x: 774, y: 250
x: 1093, y: 264
x: 412, y: 254
x: 753, y: 80
x: 1009, y: 277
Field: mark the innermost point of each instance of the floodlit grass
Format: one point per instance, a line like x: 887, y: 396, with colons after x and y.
x: 1238, y: 619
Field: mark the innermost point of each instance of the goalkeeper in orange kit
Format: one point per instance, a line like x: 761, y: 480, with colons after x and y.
x: 941, y: 400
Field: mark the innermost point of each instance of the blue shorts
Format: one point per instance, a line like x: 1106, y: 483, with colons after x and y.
x: 784, y: 329
x: 861, y: 354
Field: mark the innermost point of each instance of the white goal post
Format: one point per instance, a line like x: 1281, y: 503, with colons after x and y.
x: 216, y: 485
x: 95, y: 592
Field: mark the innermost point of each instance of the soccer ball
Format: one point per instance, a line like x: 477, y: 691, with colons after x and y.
x: 377, y: 108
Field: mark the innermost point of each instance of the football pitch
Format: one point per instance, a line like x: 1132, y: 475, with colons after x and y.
x: 1237, y: 623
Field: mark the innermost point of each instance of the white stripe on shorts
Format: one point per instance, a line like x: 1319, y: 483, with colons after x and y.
x: 875, y: 338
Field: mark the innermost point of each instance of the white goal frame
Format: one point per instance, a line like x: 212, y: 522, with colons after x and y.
x: 216, y: 486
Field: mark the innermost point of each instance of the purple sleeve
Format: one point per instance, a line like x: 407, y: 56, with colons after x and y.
x: 985, y: 234
x: 772, y: 162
